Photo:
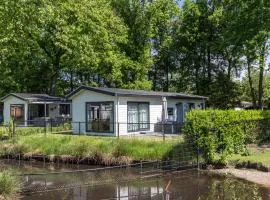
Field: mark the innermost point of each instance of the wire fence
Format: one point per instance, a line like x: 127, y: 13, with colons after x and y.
x: 94, y: 127
x: 40, y: 182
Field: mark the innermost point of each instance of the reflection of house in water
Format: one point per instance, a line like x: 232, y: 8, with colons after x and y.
x: 132, y: 192
x: 117, y: 192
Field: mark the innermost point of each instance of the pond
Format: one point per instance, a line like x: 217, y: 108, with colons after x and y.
x: 124, y: 183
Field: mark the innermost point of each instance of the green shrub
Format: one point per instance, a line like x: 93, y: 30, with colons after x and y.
x: 9, y: 185
x: 220, y: 133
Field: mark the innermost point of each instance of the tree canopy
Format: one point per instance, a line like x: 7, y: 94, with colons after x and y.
x: 219, y: 49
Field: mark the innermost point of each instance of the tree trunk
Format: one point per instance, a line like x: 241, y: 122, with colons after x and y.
x: 261, y: 76
x: 166, y: 89
x: 252, y: 91
x: 229, y: 69
x: 55, y: 75
x: 71, y: 81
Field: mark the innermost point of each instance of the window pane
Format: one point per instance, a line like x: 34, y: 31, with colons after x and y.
x: 17, y: 112
x: 133, y: 117
x: 138, y: 116
x: 170, y: 114
x: 64, y: 109
x: 143, y: 116
x: 100, y: 117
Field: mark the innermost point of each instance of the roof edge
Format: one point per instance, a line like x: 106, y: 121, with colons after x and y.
x: 83, y: 87
x: 12, y: 94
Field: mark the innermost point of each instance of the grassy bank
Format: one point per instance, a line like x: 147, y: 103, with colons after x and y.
x: 258, y: 158
x: 9, y: 185
x: 103, y: 150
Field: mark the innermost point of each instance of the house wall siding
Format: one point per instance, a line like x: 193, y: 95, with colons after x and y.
x: 53, y: 110
x: 9, y: 101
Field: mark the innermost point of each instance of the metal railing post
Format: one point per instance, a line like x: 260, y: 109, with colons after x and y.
x: 163, y: 129
x: 51, y: 126
x: 118, y: 125
x: 45, y: 127
x: 79, y: 128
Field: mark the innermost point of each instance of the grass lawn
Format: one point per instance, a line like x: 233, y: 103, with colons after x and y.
x: 106, y: 148
x: 258, y: 155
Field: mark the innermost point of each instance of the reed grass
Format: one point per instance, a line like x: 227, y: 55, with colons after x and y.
x: 104, y: 148
x: 9, y: 185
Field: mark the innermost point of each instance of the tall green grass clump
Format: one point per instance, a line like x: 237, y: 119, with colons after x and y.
x: 221, y: 133
x: 97, y: 148
x: 9, y: 185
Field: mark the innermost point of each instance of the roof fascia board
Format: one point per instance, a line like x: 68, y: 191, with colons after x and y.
x: 70, y: 95
x: 14, y: 95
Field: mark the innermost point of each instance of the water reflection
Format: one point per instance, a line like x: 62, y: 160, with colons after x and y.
x: 114, y: 184
x: 189, y: 185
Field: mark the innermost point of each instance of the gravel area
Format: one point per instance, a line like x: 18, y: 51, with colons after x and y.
x: 262, y: 178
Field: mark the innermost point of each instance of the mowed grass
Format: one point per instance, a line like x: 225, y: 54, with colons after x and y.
x: 89, y: 146
x: 261, y: 155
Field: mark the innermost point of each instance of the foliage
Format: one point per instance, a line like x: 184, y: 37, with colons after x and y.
x: 231, y: 188
x: 201, y: 47
x: 88, y: 146
x: 9, y: 185
x: 219, y: 134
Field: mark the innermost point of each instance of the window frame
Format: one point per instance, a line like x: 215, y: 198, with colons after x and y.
x: 65, y: 104
x: 99, y: 104
x: 172, y: 110
x: 23, y: 109
x: 148, y: 117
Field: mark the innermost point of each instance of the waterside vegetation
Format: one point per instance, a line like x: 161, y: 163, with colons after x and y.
x: 219, y: 134
x: 9, y: 185
x: 95, y: 150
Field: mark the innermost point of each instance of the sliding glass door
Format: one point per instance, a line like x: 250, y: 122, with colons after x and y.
x: 138, y: 116
x: 100, y: 117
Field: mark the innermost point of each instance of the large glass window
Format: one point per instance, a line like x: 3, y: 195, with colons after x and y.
x: 17, y: 112
x: 64, y: 109
x: 100, y: 117
x: 138, y: 116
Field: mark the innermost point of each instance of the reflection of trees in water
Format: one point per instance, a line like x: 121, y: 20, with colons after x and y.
x: 231, y: 189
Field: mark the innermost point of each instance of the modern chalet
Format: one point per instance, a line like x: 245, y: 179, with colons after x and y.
x: 112, y: 111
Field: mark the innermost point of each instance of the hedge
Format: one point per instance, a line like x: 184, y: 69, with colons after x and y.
x: 221, y: 133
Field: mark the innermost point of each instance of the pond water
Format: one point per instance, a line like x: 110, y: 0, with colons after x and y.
x: 124, y: 183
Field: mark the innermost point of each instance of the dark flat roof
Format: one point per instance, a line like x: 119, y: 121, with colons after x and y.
x: 129, y: 92
x: 35, y: 97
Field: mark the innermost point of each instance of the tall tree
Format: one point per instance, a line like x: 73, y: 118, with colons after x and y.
x: 66, y: 33
x: 137, y: 17
x: 165, y: 24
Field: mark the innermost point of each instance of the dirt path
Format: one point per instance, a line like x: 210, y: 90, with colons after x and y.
x: 262, y: 178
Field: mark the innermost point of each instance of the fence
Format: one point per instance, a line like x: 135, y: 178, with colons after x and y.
x: 15, y: 128
x: 125, y: 129
x: 183, y: 157
x: 94, y: 127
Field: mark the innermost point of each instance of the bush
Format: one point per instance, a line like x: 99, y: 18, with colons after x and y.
x: 9, y: 185
x: 220, y: 133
